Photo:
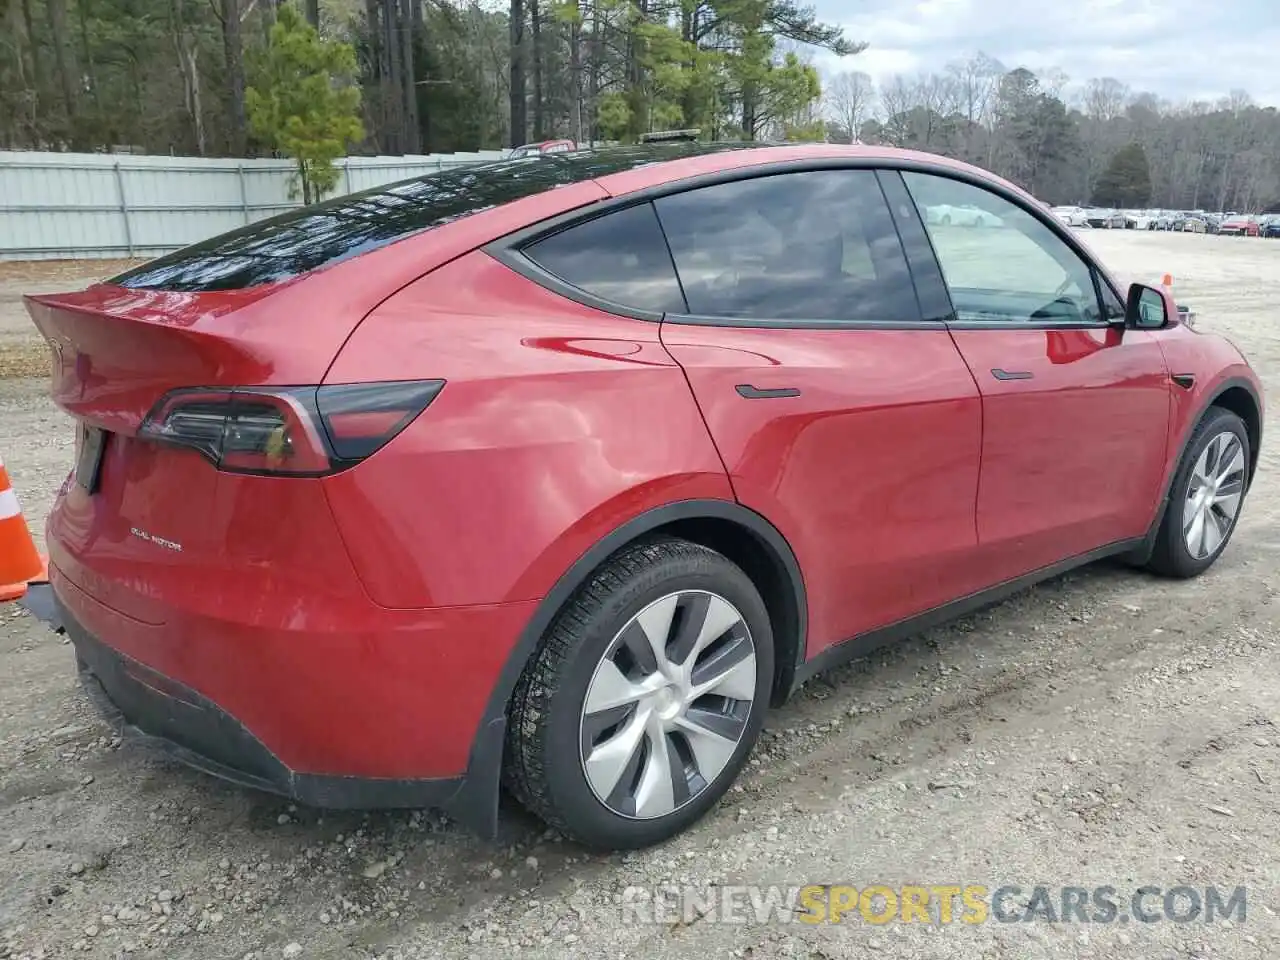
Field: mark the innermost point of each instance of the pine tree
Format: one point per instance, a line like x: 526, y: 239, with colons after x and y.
x: 1127, y: 180
x: 304, y: 100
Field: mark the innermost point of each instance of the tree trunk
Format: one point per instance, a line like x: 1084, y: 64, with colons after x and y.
x: 40, y: 72
x: 27, y: 83
x: 393, y: 79
x: 422, y: 121
x: 64, y: 59
x: 233, y: 52
x: 539, y: 101
x: 197, y: 108
x: 575, y: 71
x: 313, y: 13
x: 375, y: 77
x: 82, y: 8
x: 409, y: 80
x: 185, y: 48
x: 594, y: 50
x: 637, y: 97
x: 749, y: 108
x: 519, y: 120
x: 689, y: 107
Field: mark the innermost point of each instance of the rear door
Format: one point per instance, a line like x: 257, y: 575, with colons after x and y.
x: 842, y: 409
x: 1075, y: 409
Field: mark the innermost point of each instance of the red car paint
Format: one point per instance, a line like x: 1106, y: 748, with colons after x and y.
x: 1240, y: 226
x: 366, y: 624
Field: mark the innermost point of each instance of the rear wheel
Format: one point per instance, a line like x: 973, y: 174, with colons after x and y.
x: 644, y: 699
x: 1205, y: 499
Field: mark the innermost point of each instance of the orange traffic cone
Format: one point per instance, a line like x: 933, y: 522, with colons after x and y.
x: 19, y: 562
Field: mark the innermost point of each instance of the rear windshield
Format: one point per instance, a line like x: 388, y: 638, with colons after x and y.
x: 293, y: 243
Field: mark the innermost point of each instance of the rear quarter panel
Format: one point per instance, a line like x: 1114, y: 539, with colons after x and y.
x: 558, y: 423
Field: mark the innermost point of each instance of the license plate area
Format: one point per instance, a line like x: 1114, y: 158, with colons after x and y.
x: 89, y: 446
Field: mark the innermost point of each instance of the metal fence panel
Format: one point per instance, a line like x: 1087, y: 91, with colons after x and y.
x: 69, y: 205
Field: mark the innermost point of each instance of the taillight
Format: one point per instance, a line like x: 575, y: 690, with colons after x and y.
x: 293, y: 431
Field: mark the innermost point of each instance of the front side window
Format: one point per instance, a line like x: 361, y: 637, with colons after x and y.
x: 1112, y: 306
x: 620, y: 257
x: 815, y: 246
x: 1000, y: 261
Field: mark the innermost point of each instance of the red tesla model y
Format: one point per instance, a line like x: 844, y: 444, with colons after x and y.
x: 556, y: 473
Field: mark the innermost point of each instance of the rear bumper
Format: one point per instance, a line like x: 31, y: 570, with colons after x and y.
x: 202, y: 731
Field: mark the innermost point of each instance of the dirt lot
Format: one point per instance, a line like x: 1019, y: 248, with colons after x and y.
x: 1104, y: 728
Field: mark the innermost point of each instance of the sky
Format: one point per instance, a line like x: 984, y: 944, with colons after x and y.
x: 1177, y: 49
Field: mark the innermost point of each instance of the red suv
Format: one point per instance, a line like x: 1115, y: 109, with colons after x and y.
x: 557, y: 472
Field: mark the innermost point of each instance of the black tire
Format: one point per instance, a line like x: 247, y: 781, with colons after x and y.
x: 946, y: 220
x: 1171, y: 558
x: 543, y: 766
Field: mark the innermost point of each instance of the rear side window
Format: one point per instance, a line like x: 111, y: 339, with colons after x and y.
x: 293, y: 243
x: 620, y: 257
x: 818, y: 246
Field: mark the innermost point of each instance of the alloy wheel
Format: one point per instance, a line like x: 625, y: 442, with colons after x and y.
x: 668, y: 704
x: 1214, y: 491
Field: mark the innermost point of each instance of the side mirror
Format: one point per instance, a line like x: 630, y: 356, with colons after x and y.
x: 1149, y: 308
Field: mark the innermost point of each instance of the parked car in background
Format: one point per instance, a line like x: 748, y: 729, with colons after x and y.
x: 557, y: 473
x: 544, y: 146
x: 1071, y: 216
x: 1239, y: 226
x: 1269, y: 226
x: 1192, y: 224
x: 949, y: 215
x: 1105, y: 219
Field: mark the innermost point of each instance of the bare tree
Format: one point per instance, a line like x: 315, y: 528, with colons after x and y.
x: 919, y: 109
x: 851, y: 96
x: 231, y: 15
x: 186, y: 46
x: 1105, y: 99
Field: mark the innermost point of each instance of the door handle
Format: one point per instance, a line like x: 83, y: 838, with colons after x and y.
x: 755, y: 393
x: 1012, y: 374
x: 1185, y: 380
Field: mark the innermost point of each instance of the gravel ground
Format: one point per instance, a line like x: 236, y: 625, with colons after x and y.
x: 1103, y: 728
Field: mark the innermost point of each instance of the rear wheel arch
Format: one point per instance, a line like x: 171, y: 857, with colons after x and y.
x: 740, y: 534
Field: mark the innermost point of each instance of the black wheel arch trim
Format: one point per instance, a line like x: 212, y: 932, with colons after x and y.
x: 1143, y: 553
x: 485, y: 767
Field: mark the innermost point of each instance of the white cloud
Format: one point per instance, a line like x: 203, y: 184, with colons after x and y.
x: 1178, y: 49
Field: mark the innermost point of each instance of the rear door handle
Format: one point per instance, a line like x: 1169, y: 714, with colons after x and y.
x: 1012, y: 374
x: 755, y: 393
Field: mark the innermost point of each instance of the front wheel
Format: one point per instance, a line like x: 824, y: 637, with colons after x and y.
x: 1205, y: 499
x: 644, y: 698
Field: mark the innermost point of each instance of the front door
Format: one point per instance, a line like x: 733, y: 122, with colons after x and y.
x: 1075, y: 408
x: 841, y: 413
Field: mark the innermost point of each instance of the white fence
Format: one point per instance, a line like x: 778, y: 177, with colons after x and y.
x: 69, y: 205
